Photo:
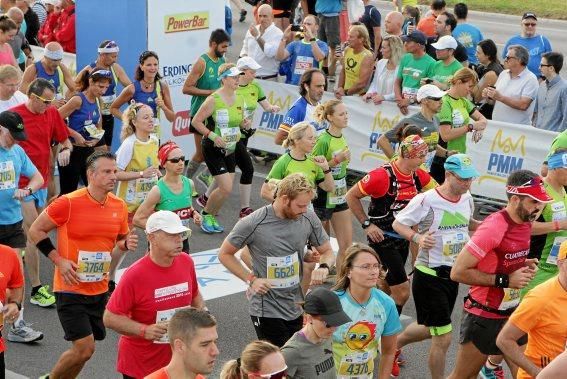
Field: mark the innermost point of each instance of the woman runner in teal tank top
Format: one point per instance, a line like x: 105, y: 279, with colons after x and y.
x: 172, y: 192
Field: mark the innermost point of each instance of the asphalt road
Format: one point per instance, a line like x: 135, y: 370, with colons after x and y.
x: 235, y: 328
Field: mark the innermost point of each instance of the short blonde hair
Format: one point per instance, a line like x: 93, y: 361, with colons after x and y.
x: 362, y: 33
x: 8, y: 71
x: 293, y: 185
x: 296, y: 133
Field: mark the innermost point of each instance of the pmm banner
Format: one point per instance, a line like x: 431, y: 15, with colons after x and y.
x: 504, y: 147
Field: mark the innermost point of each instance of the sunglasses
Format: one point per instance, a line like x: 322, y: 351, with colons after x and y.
x: 44, y: 101
x: 110, y: 45
x: 282, y: 374
x: 530, y: 24
x: 507, y: 58
x: 533, y: 182
x: 545, y: 65
x: 177, y: 160
x: 433, y: 98
x: 103, y: 73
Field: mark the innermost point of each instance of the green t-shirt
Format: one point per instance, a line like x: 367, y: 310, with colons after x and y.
x: 227, y: 119
x: 560, y: 142
x: 456, y: 112
x: 443, y: 73
x: 412, y: 70
x: 252, y: 94
x: 209, y: 80
x: 329, y: 146
x: 287, y: 165
x: 179, y: 203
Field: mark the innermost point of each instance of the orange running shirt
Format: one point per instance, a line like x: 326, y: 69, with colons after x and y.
x: 87, y: 232
x: 162, y: 374
x: 542, y: 314
x: 10, y: 277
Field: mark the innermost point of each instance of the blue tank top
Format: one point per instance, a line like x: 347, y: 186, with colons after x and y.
x: 87, y: 115
x: 148, y: 98
x: 111, y: 90
x: 53, y: 79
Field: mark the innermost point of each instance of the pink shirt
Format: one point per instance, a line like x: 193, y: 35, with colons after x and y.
x: 7, y: 55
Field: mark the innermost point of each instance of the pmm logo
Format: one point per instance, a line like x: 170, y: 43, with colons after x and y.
x: 504, y: 157
x: 183, y: 22
x: 380, y: 125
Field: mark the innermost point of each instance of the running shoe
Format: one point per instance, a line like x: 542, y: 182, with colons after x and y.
x: 208, y: 224
x: 488, y: 373
x: 395, y: 369
x: 400, y: 357
x: 202, y: 201
x: 218, y: 227
x: 243, y: 14
x: 23, y: 333
x: 205, y: 178
x: 245, y: 212
x: 42, y: 297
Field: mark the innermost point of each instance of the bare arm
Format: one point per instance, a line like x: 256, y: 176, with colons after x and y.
x: 281, y: 135
x: 71, y: 106
x: 167, y: 106
x: 69, y: 82
x: 147, y: 207
x: 29, y: 75
x: 464, y: 271
x: 282, y: 54
x: 190, y: 85
x: 121, y: 75
x: 353, y: 197
x: 328, y: 184
x: 556, y: 368
x: 304, y: 8
x: 128, y: 327
x: 385, y: 145
x: 267, y: 192
x: 448, y: 133
x: 388, y: 344
x: 204, y: 112
x: 522, y: 103
x: 39, y: 231
x: 228, y: 259
x: 507, y: 342
x: 124, y: 97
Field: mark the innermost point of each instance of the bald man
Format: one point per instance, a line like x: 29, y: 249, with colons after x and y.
x: 393, y: 23
x: 261, y: 43
x: 19, y: 43
x: 51, y: 67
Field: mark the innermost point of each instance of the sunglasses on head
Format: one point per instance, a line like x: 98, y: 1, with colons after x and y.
x: 282, y: 374
x: 177, y: 159
x: 110, y: 45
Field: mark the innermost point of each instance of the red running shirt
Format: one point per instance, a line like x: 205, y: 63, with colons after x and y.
x: 10, y: 277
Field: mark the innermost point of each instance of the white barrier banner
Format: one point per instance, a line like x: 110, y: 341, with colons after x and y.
x: 503, y: 148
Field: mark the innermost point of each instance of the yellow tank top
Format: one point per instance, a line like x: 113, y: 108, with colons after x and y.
x: 352, y: 65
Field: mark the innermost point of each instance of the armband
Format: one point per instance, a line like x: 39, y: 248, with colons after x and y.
x: 502, y: 281
x: 212, y: 136
x: 45, y: 246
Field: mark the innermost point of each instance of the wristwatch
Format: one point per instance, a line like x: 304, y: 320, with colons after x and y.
x: 366, y: 223
x: 29, y: 189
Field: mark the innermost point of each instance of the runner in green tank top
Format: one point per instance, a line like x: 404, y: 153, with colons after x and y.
x: 331, y: 207
x: 202, y: 81
x: 552, y: 223
x: 172, y: 192
x: 225, y: 112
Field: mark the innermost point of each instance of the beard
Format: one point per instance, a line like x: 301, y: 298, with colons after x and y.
x: 218, y: 54
x: 527, y: 216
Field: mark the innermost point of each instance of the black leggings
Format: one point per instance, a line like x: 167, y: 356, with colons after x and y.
x: 243, y: 161
x: 76, y: 169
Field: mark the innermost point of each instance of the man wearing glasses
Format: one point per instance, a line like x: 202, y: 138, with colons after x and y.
x: 304, y: 53
x: 443, y: 217
x: 535, y: 44
x: 495, y: 263
x: 515, y: 90
x: 551, y: 103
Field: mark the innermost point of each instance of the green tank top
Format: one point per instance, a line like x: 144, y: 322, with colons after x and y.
x: 227, y: 119
x: 180, y: 204
x: 252, y: 94
x: 287, y: 165
x: 209, y: 80
x: 329, y: 146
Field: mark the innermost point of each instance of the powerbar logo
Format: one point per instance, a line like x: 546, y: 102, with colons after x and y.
x: 183, y: 22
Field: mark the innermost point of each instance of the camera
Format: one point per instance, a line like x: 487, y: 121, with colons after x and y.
x: 296, y: 28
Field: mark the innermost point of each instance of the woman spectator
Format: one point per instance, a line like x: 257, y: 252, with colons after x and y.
x: 306, y: 352
x: 411, y: 18
x: 220, y: 137
x: 488, y: 70
x: 354, y: 77
x: 259, y: 360
x: 382, y: 87
x: 375, y: 323
x: 331, y: 207
x: 457, y: 117
x: 147, y: 89
x: 85, y: 127
x: 8, y: 29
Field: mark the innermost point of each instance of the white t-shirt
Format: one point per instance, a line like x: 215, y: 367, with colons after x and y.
x: 523, y: 85
x: 17, y: 99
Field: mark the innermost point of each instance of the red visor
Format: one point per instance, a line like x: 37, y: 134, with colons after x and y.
x: 533, y: 188
x: 164, y: 151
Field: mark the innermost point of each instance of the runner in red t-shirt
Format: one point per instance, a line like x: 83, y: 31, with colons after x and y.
x: 494, y: 263
x: 193, y: 339
x: 141, y: 309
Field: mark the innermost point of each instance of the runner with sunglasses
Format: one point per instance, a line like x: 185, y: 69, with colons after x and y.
x: 84, y: 125
x: 148, y: 89
x: 172, y: 192
x: 375, y: 322
x: 108, y: 59
x: 308, y: 353
x: 258, y: 360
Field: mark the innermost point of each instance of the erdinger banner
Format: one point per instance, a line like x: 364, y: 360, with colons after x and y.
x: 503, y: 148
x: 179, y: 32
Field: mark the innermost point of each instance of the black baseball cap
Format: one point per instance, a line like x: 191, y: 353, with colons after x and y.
x: 326, y: 304
x: 415, y: 36
x: 529, y: 15
x: 14, y: 123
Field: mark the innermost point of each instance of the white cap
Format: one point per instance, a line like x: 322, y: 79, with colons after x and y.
x: 167, y: 221
x: 247, y: 62
x: 429, y: 90
x: 445, y: 42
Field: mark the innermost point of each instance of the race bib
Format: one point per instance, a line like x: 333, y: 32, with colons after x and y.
x: 163, y: 317
x: 409, y: 93
x: 7, y: 175
x: 452, y: 245
x: 302, y: 64
x: 510, y: 300
x: 138, y: 189
x: 93, y: 266
x: 558, y: 211
x: 357, y: 365
x: 92, y: 131
x: 554, y: 251
x: 230, y: 135
x: 105, y: 103
x: 458, y: 119
x: 283, y: 272
x: 338, y: 195
x: 222, y: 118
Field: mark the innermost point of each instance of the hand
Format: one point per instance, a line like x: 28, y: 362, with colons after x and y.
x: 160, y: 103
x: 426, y: 240
x: 312, y: 256
x: 274, y: 109
x: 155, y: 331
x: 377, y: 99
x: 532, y: 263
x: 254, y: 31
x: 321, y: 161
x: 91, y: 143
x: 490, y: 93
x: 11, y: 312
x: 520, y: 278
x: 367, y: 96
x: 68, y: 271
x: 219, y: 142
x: 150, y: 172
x: 261, y: 286
x: 197, y: 218
x: 79, y: 139
x: 132, y: 241
x: 339, y: 92
x: 246, y: 124
x: 411, y: 28
x: 318, y: 276
x: 344, y: 155
x: 287, y: 33
x: 64, y: 157
x: 374, y: 233
x: 479, y: 125
x: 20, y: 193
x: 404, y: 110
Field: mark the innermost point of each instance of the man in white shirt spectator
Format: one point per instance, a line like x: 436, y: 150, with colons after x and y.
x: 516, y: 89
x: 551, y: 102
x: 261, y: 43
